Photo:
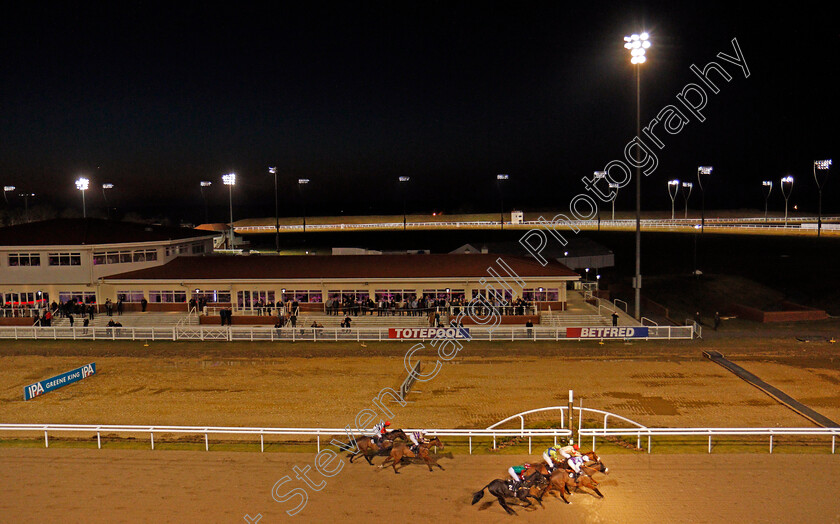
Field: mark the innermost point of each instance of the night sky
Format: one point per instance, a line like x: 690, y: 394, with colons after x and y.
x: 155, y: 99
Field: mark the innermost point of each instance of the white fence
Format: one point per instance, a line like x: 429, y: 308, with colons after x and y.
x: 707, y: 432
x: 328, y: 433
x: 288, y: 334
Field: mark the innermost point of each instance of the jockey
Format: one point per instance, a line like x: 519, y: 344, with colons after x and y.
x: 417, y: 438
x: 550, y: 455
x: 573, y: 457
x: 515, y: 473
x: 380, y: 431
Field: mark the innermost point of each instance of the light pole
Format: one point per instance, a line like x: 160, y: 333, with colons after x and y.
x: 302, y: 182
x: 499, y: 180
x: 6, y: 189
x: 598, y: 175
x: 205, y: 183
x: 673, y: 188
x: 82, y: 185
x: 637, y: 44
x: 26, y: 203
x: 273, y: 171
x: 686, y: 192
x: 768, y: 188
x: 822, y: 166
x: 614, y: 186
x: 701, y: 172
x: 230, y: 181
x: 403, y: 182
x: 787, y: 188
x: 105, y: 197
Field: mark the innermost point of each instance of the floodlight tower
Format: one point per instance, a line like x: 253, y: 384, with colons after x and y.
x: 82, y: 185
x: 614, y: 186
x: 701, y: 172
x: 273, y: 171
x: 205, y: 183
x: 499, y: 179
x: 6, y: 189
x: 301, y: 183
x: 821, y: 166
x: 686, y: 192
x: 599, y: 175
x: 105, y: 197
x: 404, y: 182
x: 673, y: 188
x: 26, y: 203
x: 767, y: 185
x: 787, y: 188
x: 230, y: 181
x: 637, y: 44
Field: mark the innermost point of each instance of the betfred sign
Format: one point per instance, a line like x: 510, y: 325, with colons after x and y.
x: 607, y: 332
x: 428, y: 333
x: 45, y: 386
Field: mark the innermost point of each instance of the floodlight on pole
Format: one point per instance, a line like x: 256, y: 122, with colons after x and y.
x: 230, y: 181
x: 615, y: 187
x: 26, y: 203
x: 499, y: 179
x: 403, y: 182
x: 787, y: 188
x: 599, y: 175
x: 205, y: 183
x: 105, y: 197
x: 686, y: 192
x: 302, y: 182
x: 822, y: 166
x: 273, y: 171
x: 82, y: 185
x: 637, y: 44
x: 673, y: 188
x: 703, y: 171
x: 6, y: 189
x: 767, y: 186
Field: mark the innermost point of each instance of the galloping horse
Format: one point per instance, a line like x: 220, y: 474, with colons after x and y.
x: 368, y: 449
x: 501, y: 489
x: 561, y: 480
x: 401, y: 450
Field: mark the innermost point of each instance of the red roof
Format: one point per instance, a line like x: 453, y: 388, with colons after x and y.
x: 272, y: 267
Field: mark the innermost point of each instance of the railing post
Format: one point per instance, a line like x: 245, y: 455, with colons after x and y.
x: 46, y: 439
x: 98, y: 442
x: 470, y: 444
x: 153, y: 439
x: 710, y: 442
x: 648, y: 443
x: 262, y: 442
x: 206, y: 442
x: 771, y: 443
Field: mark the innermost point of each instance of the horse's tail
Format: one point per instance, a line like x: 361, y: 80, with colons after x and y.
x: 479, y: 494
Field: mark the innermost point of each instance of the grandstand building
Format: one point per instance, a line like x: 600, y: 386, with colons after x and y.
x: 92, y: 260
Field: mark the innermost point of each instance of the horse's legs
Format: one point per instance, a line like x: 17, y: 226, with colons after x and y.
x: 504, y: 505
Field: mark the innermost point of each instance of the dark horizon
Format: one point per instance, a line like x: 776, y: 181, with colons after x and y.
x: 157, y: 101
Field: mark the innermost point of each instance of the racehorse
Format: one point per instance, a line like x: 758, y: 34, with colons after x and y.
x: 501, y: 489
x: 562, y: 479
x: 401, y: 450
x: 368, y: 449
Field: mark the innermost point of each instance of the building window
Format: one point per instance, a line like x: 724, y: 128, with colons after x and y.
x: 130, y: 296
x: 197, y: 249
x: 167, y: 296
x: 24, y: 259
x: 344, y: 295
x: 249, y: 299
x: 81, y: 297
x: 307, y: 296
x: 447, y: 294
x: 541, y: 294
x: 212, y: 296
x: 65, y: 259
x: 503, y: 294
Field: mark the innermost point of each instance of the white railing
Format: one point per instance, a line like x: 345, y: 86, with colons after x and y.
x: 317, y: 433
x: 707, y: 432
x: 271, y: 334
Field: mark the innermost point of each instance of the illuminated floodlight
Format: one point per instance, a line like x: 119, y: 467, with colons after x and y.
x: 229, y: 179
x: 272, y: 170
x: 405, y: 178
x: 82, y: 184
x: 704, y: 170
x: 767, y: 183
x: 206, y: 183
x: 107, y: 186
x: 787, y: 180
x: 502, y: 177
x: 688, y: 185
x: 303, y: 180
x: 644, y: 36
x: 600, y: 174
x: 674, y: 182
x: 8, y: 188
x: 822, y: 164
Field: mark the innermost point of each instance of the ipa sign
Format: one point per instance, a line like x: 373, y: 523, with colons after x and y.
x: 45, y: 386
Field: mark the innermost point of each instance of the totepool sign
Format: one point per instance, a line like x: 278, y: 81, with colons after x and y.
x: 45, y: 386
x: 607, y: 332
x: 428, y: 333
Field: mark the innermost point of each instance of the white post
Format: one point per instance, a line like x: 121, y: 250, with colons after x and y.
x: 262, y: 443
x: 470, y: 444
x: 571, y: 410
x: 710, y: 442
x: 153, y: 440
x: 98, y: 442
x: 46, y: 440
x: 771, y: 443
x: 648, y: 443
x: 206, y: 442
x: 529, y: 444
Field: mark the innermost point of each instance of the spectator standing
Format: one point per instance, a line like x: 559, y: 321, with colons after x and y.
x: 119, y: 307
x: 143, y: 304
x: 717, y: 320
x: 614, y: 319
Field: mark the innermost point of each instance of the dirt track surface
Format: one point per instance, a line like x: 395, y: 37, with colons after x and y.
x: 147, y: 486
